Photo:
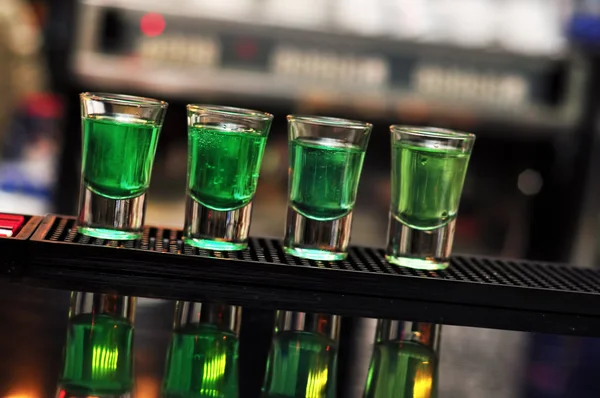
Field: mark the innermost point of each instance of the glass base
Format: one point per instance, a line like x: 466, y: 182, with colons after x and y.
x: 315, y: 254
x: 216, y: 230
x: 317, y: 240
x: 111, y: 234
x: 419, y: 249
x: 106, y: 218
x: 216, y: 245
x: 418, y: 263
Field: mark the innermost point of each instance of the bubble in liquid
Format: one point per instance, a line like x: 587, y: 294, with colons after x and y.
x: 444, y: 215
x: 424, y: 160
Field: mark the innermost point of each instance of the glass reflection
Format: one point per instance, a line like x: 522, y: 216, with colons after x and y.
x: 98, y: 351
x: 405, y: 360
x: 203, y: 355
x: 303, y: 356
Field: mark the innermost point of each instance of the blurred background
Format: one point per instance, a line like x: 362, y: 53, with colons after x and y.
x: 523, y: 75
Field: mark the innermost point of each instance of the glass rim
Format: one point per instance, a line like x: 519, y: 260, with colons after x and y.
x: 124, y: 99
x: 330, y: 121
x: 233, y: 111
x: 433, y: 132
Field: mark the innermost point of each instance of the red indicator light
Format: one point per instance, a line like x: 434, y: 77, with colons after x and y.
x: 246, y: 49
x: 152, y: 24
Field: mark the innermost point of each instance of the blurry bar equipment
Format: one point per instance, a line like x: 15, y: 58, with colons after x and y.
x: 30, y: 115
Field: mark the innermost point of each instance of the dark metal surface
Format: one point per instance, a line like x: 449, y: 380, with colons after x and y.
x: 474, y: 291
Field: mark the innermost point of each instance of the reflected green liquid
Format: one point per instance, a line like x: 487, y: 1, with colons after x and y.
x: 223, y: 166
x: 118, y: 155
x: 401, y: 369
x: 98, y: 356
x: 426, y: 185
x: 324, y: 177
x: 202, y: 363
x: 301, y: 365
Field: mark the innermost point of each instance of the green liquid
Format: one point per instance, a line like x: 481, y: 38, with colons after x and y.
x: 223, y: 165
x: 301, y: 365
x: 118, y: 155
x: 401, y: 369
x: 427, y: 185
x: 202, y: 363
x: 324, y: 177
x: 98, y: 356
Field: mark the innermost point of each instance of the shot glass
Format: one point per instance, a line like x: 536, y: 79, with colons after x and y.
x: 326, y: 157
x: 428, y: 171
x: 404, y: 361
x: 225, y: 150
x: 119, y: 134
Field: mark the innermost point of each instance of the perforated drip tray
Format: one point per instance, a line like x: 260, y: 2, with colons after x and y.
x: 473, y: 291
